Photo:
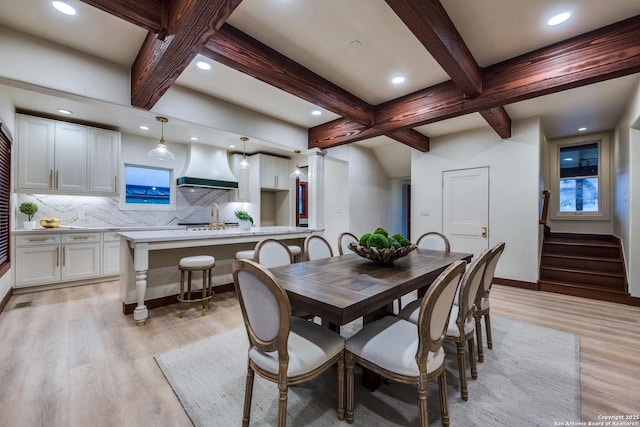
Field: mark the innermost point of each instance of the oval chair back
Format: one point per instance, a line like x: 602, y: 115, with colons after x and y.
x: 433, y: 240
x: 317, y: 247
x: 272, y: 253
x: 343, y: 242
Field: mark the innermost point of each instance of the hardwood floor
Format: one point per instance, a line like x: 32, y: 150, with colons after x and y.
x: 73, y: 359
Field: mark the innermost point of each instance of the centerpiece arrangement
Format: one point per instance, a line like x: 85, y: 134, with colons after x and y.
x: 381, y: 248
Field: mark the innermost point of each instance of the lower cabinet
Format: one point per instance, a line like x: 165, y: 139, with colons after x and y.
x: 53, y: 258
x: 110, y: 254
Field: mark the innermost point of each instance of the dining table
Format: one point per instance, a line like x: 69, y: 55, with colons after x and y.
x: 341, y: 289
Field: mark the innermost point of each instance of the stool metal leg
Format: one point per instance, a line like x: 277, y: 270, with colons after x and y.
x: 181, y: 307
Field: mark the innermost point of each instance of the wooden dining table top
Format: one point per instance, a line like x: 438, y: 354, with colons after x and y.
x: 343, y: 288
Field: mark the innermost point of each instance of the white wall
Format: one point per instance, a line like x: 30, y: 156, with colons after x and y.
x: 626, y: 203
x: 514, y: 175
x: 336, y: 201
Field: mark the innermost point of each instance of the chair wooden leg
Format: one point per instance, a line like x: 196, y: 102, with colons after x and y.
x: 462, y: 369
x: 487, y: 325
x: 472, y: 358
x: 282, y: 404
x: 248, y: 393
x: 422, y: 402
x: 350, y: 385
x: 444, y: 403
x: 479, y: 338
x: 341, y: 388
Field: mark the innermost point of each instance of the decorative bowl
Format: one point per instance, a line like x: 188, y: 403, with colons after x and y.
x: 381, y: 256
x: 50, y: 222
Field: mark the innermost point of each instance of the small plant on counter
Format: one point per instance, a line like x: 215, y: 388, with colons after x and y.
x: 29, y: 209
x: 243, y: 215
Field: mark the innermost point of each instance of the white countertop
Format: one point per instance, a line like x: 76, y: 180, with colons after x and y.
x: 68, y: 229
x: 182, y: 234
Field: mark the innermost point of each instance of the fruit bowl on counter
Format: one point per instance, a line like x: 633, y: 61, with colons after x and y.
x: 50, y: 222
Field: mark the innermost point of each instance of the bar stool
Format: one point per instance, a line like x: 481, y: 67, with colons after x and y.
x: 295, y: 250
x: 204, y: 263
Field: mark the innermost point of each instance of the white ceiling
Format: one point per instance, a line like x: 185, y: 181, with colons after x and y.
x: 317, y: 34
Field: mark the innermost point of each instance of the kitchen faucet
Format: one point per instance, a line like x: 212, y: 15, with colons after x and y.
x: 215, y: 211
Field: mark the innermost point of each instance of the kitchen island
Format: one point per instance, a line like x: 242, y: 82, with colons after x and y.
x: 149, y: 259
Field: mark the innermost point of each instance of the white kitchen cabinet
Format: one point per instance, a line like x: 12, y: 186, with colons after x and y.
x: 104, y: 160
x: 110, y: 254
x: 54, y: 258
x: 66, y: 158
x: 274, y: 172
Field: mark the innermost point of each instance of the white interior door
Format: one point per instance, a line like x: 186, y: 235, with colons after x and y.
x: 465, y: 209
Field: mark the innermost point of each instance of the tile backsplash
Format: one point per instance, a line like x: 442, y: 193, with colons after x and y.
x: 192, y: 205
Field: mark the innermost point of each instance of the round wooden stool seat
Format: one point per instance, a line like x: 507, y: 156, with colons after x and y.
x: 204, y: 263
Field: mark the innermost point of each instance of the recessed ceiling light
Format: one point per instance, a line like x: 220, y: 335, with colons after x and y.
x: 63, y: 8
x: 193, y: 138
x: 559, y: 18
x: 232, y: 146
x: 203, y: 65
x: 397, y: 80
x: 568, y: 159
x: 63, y: 111
x: 581, y: 129
x: 143, y: 127
x: 316, y: 112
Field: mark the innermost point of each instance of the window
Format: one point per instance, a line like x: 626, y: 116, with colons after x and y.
x: 5, y: 195
x: 302, y: 202
x: 580, y: 178
x: 147, y: 188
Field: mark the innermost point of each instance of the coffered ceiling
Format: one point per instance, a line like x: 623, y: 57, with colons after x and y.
x: 354, y: 48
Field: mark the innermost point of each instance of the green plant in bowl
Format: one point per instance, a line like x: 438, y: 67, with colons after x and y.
x: 243, y: 215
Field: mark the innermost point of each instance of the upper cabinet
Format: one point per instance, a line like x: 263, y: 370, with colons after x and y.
x: 55, y: 157
x: 274, y: 172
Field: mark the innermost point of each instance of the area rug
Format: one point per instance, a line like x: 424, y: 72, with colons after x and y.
x: 529, y: 378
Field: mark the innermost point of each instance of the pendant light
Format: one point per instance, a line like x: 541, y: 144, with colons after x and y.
x: 297, y: 173
x: 161, y: 152
x: 244, y: 163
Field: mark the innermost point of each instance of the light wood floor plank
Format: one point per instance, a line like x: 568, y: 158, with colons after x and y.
x: 73, y: 358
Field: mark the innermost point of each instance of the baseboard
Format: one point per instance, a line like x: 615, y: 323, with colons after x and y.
x: 5, y: 300
x: 635, y: 301
x: 170, y: 299
x: 516, y: 283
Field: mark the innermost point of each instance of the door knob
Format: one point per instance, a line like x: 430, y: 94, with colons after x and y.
x: 484, y: 232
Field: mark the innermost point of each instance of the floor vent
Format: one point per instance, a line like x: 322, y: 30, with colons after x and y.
x: 23, y: 304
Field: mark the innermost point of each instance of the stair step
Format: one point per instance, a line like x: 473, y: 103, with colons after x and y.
x: 585, y: 291
x: 610, y: 265
x: 584, y: 238
x: 581, y: 250
x: 605, y: 280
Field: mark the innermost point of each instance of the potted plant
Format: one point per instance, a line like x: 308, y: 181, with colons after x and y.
x: 29, y: 209
x: 244, y: 219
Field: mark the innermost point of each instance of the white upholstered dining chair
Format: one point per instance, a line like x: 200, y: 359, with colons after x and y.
x: 433, y: 240
x: 482, y: 301
x: 461, y: 327
x: 343, y: 242
x: 317, y: 247
x: 282, y: 349
x: 272, y: 253
x: 397, y: 350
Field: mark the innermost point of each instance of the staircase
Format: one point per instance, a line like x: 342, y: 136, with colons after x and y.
x: 585, y: 265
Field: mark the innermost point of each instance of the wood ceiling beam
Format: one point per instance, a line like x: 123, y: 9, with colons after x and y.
x: 160, y: 62
x: 430, y: 23
x: 238, y: 50
x: 607, y: 53
x: 147, y: 14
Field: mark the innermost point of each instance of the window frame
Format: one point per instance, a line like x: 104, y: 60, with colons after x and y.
x: 144, y: 206
x: 604, y: 186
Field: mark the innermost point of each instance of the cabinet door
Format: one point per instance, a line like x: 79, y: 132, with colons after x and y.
x: 37, y: 265
x: 70, y: 158
x: 267, y: 171
x: 103, y: 160
x: 110, y: 254
x: 81, y: 261
x: 282, y: 173
x: 36, y: 139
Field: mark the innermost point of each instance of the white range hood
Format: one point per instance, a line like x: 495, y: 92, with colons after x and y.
x: 208, y: 167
